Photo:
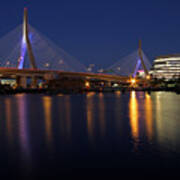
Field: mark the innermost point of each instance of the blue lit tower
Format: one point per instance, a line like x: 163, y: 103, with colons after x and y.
x: 26, y: 45
x: 140, y: 61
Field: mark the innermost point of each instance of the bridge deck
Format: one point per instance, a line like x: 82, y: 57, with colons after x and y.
x: 38, y: 72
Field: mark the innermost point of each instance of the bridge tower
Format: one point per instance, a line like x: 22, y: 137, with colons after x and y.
x: 26, y: 45
x: 140, y: 61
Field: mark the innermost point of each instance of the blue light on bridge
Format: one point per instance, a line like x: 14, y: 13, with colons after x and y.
x: 137, y: 68
x: 23, y: 53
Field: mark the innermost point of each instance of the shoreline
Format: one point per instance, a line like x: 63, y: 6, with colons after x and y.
x: 83, y: 91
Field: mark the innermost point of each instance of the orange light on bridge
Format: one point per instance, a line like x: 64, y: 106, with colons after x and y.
x: 87, y: 84
x: 133, y: 81
x: 46, y: 65
x: 148, y: 77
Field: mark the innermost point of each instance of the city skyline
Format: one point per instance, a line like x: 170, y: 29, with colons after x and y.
x: 100, y: 33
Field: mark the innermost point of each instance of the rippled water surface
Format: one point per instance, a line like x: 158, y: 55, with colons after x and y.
x: 41, y: 135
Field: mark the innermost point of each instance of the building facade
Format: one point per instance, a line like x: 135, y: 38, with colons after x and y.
x: 166, y: 67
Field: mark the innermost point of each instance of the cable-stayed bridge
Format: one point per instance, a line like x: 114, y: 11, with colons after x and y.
x: 48, y: 56
x: 26, y: 53
x: 131, y: 64
x: 126, y: 65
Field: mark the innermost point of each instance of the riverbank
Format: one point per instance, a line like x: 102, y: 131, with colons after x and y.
x: 6, y: 91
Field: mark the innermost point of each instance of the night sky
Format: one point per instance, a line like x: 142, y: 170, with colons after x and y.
x: 100, y: 32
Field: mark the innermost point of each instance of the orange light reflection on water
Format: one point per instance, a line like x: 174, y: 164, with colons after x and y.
x: 47, y: 104
x: 102, y: 115
x: 118, y: 93
x: 89, y: 112
x: 134, y: 115
x: 68, y: 116
x: 148, y: 116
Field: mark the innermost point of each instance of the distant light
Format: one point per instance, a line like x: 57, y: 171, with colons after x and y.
x: 133, y: 81
x: 118, y: 68
x: 89, y: 69
x: 7, y: 63
x: 101, y: 70
x: 87, y: 84
x: 91, y: 65
x: 115, y: 85
x: 148, y: 77
x: 102, y: 83
x: 61, y: 61
x: 47, y: 65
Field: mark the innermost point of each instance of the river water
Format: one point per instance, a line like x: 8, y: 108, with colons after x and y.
x: 45, y: 135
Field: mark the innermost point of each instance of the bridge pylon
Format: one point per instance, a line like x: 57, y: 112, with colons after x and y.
x: 140, y: 61
x: 26, y: 45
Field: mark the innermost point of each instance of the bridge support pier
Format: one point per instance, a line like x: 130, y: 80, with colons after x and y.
x: 109, y: 83
x: 34, y: 82
x: 21, y: 81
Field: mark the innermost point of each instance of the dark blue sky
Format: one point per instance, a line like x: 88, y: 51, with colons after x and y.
x: 100, y: 31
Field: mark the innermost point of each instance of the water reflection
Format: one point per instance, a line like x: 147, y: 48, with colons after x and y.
x: 9, y: 122
x: 47, y: 105
x: 118, y: 94
x: 118, y: 113
x: 90, y: 115
x: 134, y: 115
x: 148, y: 116
x: 167, y: 120
x: 158, y: 112
x: 102, y: 117
x: 24, y: 135
x: 23, y: 124
x: 68, y: 116
x: 64, y: 116
x: 106, y: 120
